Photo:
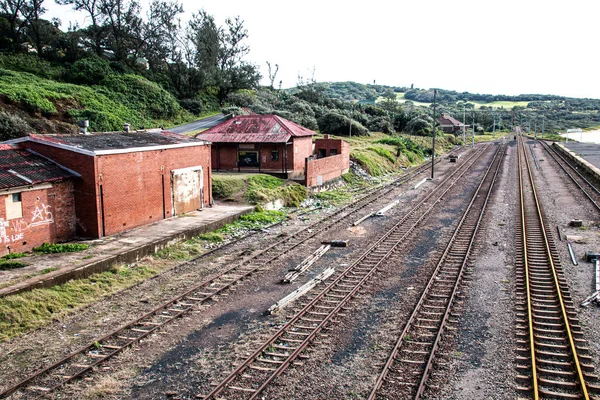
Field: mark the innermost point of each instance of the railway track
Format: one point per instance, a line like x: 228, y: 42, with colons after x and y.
x: 553, y: 361
x: 285, y: 346
x: 587, y: 188
x: 87, y: 358
x: 408, y: 367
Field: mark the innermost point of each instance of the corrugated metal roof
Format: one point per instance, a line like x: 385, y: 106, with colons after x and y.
x: 21, y: 168
x: 257, y: 124
x: 244, y: 138
x: 118, y: 140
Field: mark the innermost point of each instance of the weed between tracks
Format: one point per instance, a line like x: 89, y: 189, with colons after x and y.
x: 26, y: 311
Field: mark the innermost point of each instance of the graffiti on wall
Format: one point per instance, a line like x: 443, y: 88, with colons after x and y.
x: 14, y: 230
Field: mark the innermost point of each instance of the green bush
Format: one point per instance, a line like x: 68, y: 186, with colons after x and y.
x: 211, y: 237
x: 141, y: 94
x: 31, y: 64
x: 336, y: 124
x: 90, y: 70
x: 47, y: 248
x: 12, y: 126
x: 195, y: 106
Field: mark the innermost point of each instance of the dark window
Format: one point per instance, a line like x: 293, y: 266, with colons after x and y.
x: 274, y: 155
x: 322, y: 153
x: 16, y: 197
x: 333, y: 152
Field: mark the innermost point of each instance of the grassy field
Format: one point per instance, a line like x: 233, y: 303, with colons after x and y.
x: 500, y: 104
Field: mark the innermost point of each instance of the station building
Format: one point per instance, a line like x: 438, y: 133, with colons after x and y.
x: 123, y: 180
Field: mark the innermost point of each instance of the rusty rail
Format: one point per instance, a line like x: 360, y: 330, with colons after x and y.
x: 275, y: 355
x: 411, y: 359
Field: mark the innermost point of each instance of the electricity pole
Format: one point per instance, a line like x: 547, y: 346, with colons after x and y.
x: 473, y: 137
x: 464, y: 124
x: 434, y: 134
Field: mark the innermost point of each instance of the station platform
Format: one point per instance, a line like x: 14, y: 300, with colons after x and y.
x: 127, y: 247
x: 587, y: 151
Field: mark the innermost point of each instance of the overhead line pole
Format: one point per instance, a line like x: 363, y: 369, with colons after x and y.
x: 434, y: 134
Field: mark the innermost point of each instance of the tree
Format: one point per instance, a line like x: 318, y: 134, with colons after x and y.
x: 272, y: 75
x: 14, y: 11
x: 337, y: 124
x: 123, y: 24
x: 96, y: 32
x: 232, y: 72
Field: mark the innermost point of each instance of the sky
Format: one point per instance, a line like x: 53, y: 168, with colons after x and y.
x: 509, y: 47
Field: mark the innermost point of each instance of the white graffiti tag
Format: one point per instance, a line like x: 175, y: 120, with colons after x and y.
x: 42, y: 216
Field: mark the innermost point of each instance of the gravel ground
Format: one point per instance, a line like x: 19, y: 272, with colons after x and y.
x: 476, y: 360
x: 24, y: 354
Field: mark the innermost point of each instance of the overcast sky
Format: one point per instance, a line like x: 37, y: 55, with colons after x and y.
x: 506, y: 47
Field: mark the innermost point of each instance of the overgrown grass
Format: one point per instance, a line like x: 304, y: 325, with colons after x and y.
x: 119, y: 99
x: 8, y: 265
x: 257, y: 189
x: 255, y: 220
x: 47, y: 248
x: 11, y: 256
x: 335, y: 196
x: 211, y: 237
x: 30, y: 310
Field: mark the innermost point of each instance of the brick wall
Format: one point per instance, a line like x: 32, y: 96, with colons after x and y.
x: 136, y: 187
x: 48, y: 216
x: 131, y: 185
x: 86, y: 197
x: 329, y: 167
x: 224, y: 156
x: 302, y: 148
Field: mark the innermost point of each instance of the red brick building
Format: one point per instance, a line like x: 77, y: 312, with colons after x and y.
x: 260, y: 143
x: 36, y: 201
x: 449, y: 124
x: 129, y: 179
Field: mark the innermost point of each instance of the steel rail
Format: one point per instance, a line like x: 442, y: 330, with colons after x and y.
x: 460, y: 229
x: 554, y: 154
x: 556, y: 284
x: 363, y: 275
x: 182, y: 303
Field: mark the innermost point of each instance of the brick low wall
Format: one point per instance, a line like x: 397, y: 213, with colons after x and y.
x: 327, y: 168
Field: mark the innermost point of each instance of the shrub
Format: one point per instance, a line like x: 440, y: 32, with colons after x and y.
x: 12, y: 126
x: 337, y: 124
x: 32, y: 64
x: 195, y: 106
x: 90, y: 70
x: 47, y: 248
x: 381, y: 124
x: 242, y: 98
x: 234, y: 111
x: 138, y: 92
x: 383, y: 153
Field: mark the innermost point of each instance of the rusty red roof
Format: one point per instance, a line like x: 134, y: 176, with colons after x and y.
x: 254, y: 129
x: 244, y: 138
x: 22, y: 168
x: 447, y: 120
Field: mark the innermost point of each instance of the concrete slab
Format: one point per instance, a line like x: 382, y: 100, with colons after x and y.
x: 588, y: 151
x: 127, y: 247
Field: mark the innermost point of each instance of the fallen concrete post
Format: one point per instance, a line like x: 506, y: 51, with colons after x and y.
x: 305, y: 264
x: 302, y: 290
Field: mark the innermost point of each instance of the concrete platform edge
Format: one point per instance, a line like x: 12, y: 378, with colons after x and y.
x: 595, y: 171
x: 127, y: 257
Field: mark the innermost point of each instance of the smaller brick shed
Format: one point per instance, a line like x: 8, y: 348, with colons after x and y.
x: 260, y: 143
x: 36, y: 201
x: 129, y: 179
